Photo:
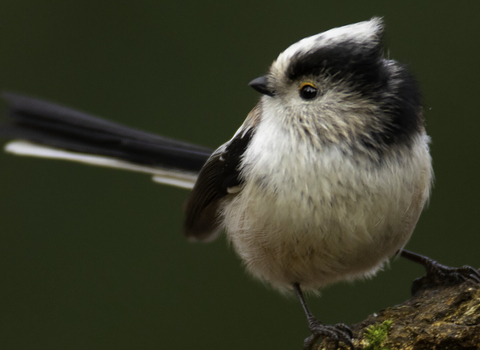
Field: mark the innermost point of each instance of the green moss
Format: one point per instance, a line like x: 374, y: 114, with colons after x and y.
x: 376, y: 335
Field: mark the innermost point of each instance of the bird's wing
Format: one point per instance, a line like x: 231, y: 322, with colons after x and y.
x: 220, y: 177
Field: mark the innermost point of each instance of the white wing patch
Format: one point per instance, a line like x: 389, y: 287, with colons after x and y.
x: 165, y: 176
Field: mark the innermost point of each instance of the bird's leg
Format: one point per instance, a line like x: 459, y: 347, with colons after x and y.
x: 438, y: 273
x: 335, y: 333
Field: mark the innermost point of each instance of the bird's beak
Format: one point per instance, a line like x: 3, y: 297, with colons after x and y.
x: 260, y: 84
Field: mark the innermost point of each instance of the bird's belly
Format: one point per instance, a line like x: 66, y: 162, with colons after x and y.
x: 317, y: 227
x: 277, y: 249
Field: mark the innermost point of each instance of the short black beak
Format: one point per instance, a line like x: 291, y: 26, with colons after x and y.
x: 260, y: 84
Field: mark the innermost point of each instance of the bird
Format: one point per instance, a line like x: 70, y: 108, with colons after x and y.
x: 323, y: 182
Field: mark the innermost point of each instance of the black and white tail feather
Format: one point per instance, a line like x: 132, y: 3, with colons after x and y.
x: 47, y: 130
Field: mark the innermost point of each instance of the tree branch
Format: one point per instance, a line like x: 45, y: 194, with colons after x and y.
x: 440, y: 317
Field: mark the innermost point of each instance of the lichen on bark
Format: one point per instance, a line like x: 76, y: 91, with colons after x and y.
x: 435, y: 318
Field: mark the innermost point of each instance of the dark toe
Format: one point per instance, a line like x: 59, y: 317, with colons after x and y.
x: 470, y: 272
x: 439, y: 274
x: 330, y: 334
x: 345, y: 329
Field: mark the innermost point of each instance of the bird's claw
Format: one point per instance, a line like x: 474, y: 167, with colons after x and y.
x: 332, y: 333
x: 441, y: 274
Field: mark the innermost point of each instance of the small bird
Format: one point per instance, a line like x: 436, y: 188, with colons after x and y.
x: 323, y: 182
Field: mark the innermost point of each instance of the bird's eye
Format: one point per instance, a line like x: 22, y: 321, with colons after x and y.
x: 308, y: 91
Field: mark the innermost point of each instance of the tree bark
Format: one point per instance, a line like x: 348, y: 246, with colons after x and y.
x: 435, y: 318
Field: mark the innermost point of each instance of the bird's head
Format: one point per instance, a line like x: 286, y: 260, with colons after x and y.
x: 338, y: 85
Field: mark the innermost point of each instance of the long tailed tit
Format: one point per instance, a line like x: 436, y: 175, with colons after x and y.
x: 324, y: 181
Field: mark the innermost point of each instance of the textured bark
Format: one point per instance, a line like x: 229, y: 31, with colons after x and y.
x: 435, y: 318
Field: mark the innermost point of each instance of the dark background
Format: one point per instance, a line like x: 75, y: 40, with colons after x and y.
x: 94, y: 258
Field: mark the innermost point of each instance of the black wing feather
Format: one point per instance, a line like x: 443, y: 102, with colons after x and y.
x: 221, y: 172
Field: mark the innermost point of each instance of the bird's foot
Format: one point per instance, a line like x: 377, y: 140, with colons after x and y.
x: 440, y: 274
x: 330, y: 333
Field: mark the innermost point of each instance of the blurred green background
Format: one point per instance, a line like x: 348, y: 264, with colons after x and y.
x: 93, y: 258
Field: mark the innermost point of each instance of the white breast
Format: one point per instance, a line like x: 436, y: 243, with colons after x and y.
x: 317, y: 217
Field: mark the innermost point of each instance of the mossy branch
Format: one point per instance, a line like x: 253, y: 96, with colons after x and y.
x: 436, y: 318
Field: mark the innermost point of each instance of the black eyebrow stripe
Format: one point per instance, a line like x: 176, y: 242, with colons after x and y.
x: 348, y: 58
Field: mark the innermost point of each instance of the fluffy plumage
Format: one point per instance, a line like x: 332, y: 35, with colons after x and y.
x: 330, y: 187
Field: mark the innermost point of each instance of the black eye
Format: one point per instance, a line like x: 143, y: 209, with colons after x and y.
x: 308, y: 91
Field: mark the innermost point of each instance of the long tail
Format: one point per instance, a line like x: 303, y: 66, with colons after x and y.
x: 43, y: 129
